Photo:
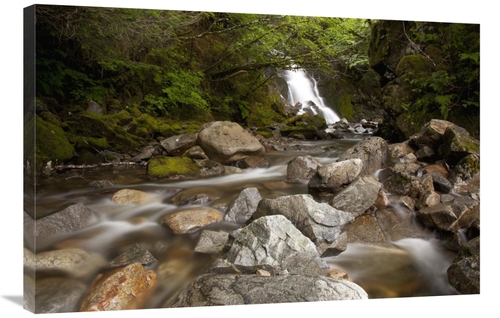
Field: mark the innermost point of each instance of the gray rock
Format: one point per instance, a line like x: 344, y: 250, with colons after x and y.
x: 457, y: 145
x: 464, y: 273
x: 242, y: 208
x: 271, y: 243
x: 320, y: 222
x: 302, y: 169
x: 450, y: 216
x: 69, y: 218
x: 73, y: 261
x: 372, y: 151
x: 58, y: 295
x: 135, y: 254
x: 211, y: 242
x: 331, y: 177
x: 358, y: 196
x: 218, y: 290
x: 227, y: 142
x: 177, y: 145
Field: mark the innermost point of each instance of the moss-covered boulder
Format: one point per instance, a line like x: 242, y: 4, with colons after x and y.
x: 172, y: 168
x: 304, y: 124
x: 49, y: 141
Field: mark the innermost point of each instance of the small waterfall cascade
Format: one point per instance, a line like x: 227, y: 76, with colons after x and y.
x: 303, y: 89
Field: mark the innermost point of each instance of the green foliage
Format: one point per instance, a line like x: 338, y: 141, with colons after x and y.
x: 453, y: 81
x: 176, y: 63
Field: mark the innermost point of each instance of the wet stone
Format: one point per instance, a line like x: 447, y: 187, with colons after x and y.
x: 135, y: 254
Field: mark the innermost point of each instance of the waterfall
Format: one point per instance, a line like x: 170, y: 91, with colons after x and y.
x: 303, y: 89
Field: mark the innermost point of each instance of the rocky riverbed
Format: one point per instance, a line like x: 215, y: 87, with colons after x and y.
x: 225, y: 216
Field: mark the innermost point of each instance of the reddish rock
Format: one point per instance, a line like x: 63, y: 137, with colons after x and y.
x: 123, y: 288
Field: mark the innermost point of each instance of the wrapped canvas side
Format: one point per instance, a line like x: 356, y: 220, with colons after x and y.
x: 29, y: 159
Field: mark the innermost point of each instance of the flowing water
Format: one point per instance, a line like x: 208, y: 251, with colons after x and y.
x: 303, y: 89
x: 384, y: 271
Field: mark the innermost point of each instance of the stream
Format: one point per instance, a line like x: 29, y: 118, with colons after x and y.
x: 409, y: 267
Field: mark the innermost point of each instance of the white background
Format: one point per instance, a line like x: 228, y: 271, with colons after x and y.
x: 11, y: 106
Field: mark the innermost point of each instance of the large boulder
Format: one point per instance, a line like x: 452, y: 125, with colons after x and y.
x: 301, y: 169
x: 271, y: 243
x: 372, y: 151
x: 320, y: 222
x: 227, y: 142
x: 242, y: 208
x: 331, y: 177
x: 358, y: 196
x: 218, y: 290
x: 432, y: 134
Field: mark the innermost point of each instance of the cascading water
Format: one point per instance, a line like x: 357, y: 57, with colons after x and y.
x: 303, y: 89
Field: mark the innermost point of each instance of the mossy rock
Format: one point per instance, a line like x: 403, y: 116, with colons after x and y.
x: 109, y: 127
x: 90, y: 143
x: 50, y: 143
x: 172, y: 168
x: 346, y: 109
x: 415, y: 64
x: 306, y: 120
x: 261, y: 115
x: 304, y: 124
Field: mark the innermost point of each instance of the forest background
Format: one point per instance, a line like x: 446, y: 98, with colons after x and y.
x: 11, y: 131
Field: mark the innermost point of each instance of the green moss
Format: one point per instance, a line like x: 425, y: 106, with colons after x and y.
x: 172, y: 167
x: 51, y: 143
x: 415, y: 64
x: 91, y: 143
x: 346, y: 109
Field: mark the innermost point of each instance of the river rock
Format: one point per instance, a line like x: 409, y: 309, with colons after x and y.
x: 175, y: 168
x: 320, y: 222
x: 210, y: 168
x: 195, y: 153
x: 398, y: 222
x: 274, y: 244
x: 465, y: 176
x: 252, y: 162
x: 372, y: 151
x: 58, y: 295
x: 73, y: 261
x: 100, y: 184
x: 301, y: 169
x: 135, y: 254
x: 190, y: 220
x: 242, y: 208
x: 331, y: 177
x: 227, y: 142
x: 130, y: 196
x: 365, y: 229
x: 123, y: 288
x: 67, y: 219
x: 211, y: 242
x: 358, y: 196
x: 179, y: 144
x: 450, y: 216
x: 218, y: 290
x: 432, y: 134
x: 464, y: 272
x: 398, y: 150
x: 457, y: 145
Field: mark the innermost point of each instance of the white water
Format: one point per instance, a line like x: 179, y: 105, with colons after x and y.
x: 303, y: 89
